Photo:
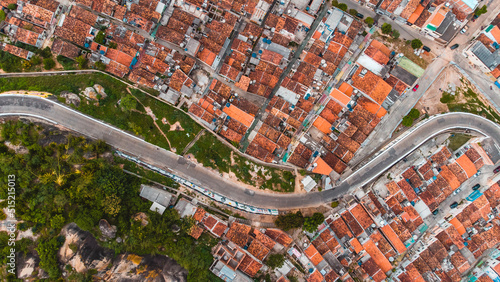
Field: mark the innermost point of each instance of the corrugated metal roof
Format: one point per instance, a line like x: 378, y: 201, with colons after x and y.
x: 491, y: 60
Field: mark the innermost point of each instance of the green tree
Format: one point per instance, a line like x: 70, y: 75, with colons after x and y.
x: 311, y: 223
x: 81, y: 61
x: 47, y: 251
x: 290, y: 221
x: 407, y: 121
x: 275, y: 261
x: 342, y: 7
x: 353, y: 12
x: 369, y: 21
x: 414, y: 113
x: 100, y: 37
x: 113, y: 45
x: 386, y: 28
x: 36, y: 60
x: 100, y: 66
x: 128, y: 103
x: 395, y: 34
x: 12, y: 6
x: 416, y: 43
x: 2, y: 15
x: 48, y: 63
x: 335, y: 3
x: 480, y: 11
x: 45, y: 52
x: 57, y: 221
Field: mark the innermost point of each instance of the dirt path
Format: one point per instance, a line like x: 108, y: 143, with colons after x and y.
x: 151, y: 114
x: 194, y: 141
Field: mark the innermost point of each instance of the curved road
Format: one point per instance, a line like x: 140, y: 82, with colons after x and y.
x: 21, y: 105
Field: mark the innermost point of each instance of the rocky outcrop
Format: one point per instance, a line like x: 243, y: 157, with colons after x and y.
x: 107, y: 230
x: 95, y: 93
x: 82, y: 252
x: 71, y: 98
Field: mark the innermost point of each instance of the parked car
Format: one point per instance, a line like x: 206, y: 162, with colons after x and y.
x: 415, y: 88
x: 454, y: 205
x: 457, y: 191
x: 359, y: 15
x: 435, y: 212
x: 475, y: 187
x: 496, y: 170
x: 426, y: 48
x: 454, y: 47
x: 464, y: 30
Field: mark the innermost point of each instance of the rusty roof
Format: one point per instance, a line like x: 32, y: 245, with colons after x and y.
x: 340, y: 228
x: 361, y: 216
x: 315, y: 277
x: 249, y: 266
x: 209, y: 222
x: 279, y: 236
x: 60, y: 47
x: 400, y: 229
x: 195, y: 231
x: 83, y: 15
x: 352, y: 223
x: 219, y: 229
x: 238, y: 233
x: 457, y: 170
x: 258, y: 250
x: 199, y: 214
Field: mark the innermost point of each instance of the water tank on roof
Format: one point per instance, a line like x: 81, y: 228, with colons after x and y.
x: 214, y: 120
x: 260, y: 51
x: 316, y: 153
x: 228, y: 104
x: 254, y: 55
x: 86, y: 45
x: 185, y: 49
x: 102, y: 52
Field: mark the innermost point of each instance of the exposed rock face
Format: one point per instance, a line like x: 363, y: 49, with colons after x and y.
x: 107, y: 230
x: 27, y: 264
x: 95, y: 93
x: 71, y: 98
x: 142, y: 217
x: 124, y: 267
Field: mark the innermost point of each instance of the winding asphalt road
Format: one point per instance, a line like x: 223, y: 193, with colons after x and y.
x: 52, y: 111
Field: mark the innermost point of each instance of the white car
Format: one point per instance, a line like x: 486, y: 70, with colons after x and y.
x: 456, y: 191
x: 464, y: 30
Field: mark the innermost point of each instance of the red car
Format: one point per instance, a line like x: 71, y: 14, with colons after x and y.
x: 496, y: 170
x: 415, y: 88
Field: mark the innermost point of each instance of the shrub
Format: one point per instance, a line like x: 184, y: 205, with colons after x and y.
x: 416, y: 43
x: 100, y: 65
x: 36, y: 60
x: 342, y: 7
x: 334, y: 204
x: 369, y: 21
x: 290, y: 221
x: 414, y: 113
x: 275, y: 261
x: 100, y: 37
x: 407, y: 121
x: 81, y: 61
x: 386, y: 28
x: 480, y: 11
x: 48, y: 63
x: 2, y: 15
x: 335, y: 3
x: 395, y: 34
x: 353, y: 12
x: 12, y: 6
x: 113, y: 45
x: 311, y: 223
x: 45, y: 52
x: 128, y: 103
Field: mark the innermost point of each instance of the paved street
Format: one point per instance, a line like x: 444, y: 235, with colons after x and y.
x: 71, y: 119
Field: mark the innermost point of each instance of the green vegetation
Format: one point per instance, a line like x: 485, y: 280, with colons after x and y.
x: 395, y: 34
x: 416, y: 43
x: 457, y: 140
x: 480, y: 11
x: 12, y: 6
x: 45, y: 52
x: 2, y: 15
x: 334, y: 204
x: 353, y: 12
x: 113, y: 45
x: 48, y: 63
x: 369, y: 21
x: 67, y: 63
x: 275, y: 261
x: 386, y: 28
x: 100, y: 66
x: 81, y: 62
x: 147, y: 174
x: 466, y: 100
x: 311, y: 223
x: 289, y: 221
x: 342, y: 7
x: 411, y: 117
x: 211, y: 152
x: 10, y: 63
x: 35, y: 60
x: 100, y: 37
x: 128, y: 103
x: 71, y: 181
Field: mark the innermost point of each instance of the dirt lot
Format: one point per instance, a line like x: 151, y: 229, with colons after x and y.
x: 430, y: 101
x: 401, y: 46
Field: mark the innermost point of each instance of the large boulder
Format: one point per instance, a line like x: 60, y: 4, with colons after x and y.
x: 71, y: 98
x: 95, y: 93
x: 100, y: 91
x: 107, y: 230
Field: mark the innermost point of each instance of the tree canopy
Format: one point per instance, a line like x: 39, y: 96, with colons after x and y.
x: 342, y: 7
x: 480, y: 11
x: 416, y: 43
x: 290, y: 221
x: 386, y: 28
x: 275, y: 261
x: 311, y: 223
x: 369, y: 21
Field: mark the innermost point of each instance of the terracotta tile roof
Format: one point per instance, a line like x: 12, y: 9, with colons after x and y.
x: 457, y: 170
x: 394, y: 239
x: 331, y: 276
x: 493, y: 195
x: 169, y: 35
x: 238, y: 233
x: 356, y: 245
x: 321, y: 167
x: 372, y: 268
x: 249, y: 266
x: 407, y: 190
x: 394, y: 205
x: 83, y: 15
x: 361, y: 216
x: 16, y: 51
x: 313, y: 254
x: 340, y: 228
x: 458, y: 225
x: 60, y: 47
x: 422, y: 19
x: 199, y: 214
x: 117, y: 69
x: 206, y: 56
x: 258, y: 250
x: 219, y: 229
x: 195, y: 231
x: 392, y: 187
x: 352, y: 223
x: 279, y: 236
x: 239, y: 115
x: 460, y: 263
x: 400, y: 230
x: 315, y: 277
x: 467, y: 165
x: 264, y: 239
x: 209, y: 222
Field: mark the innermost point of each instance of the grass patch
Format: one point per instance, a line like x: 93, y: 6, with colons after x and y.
x: 107, y: 110
x: 146, y: 173
x: 466, y: 100
x: 211, y: 152
x: 458, y: 140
